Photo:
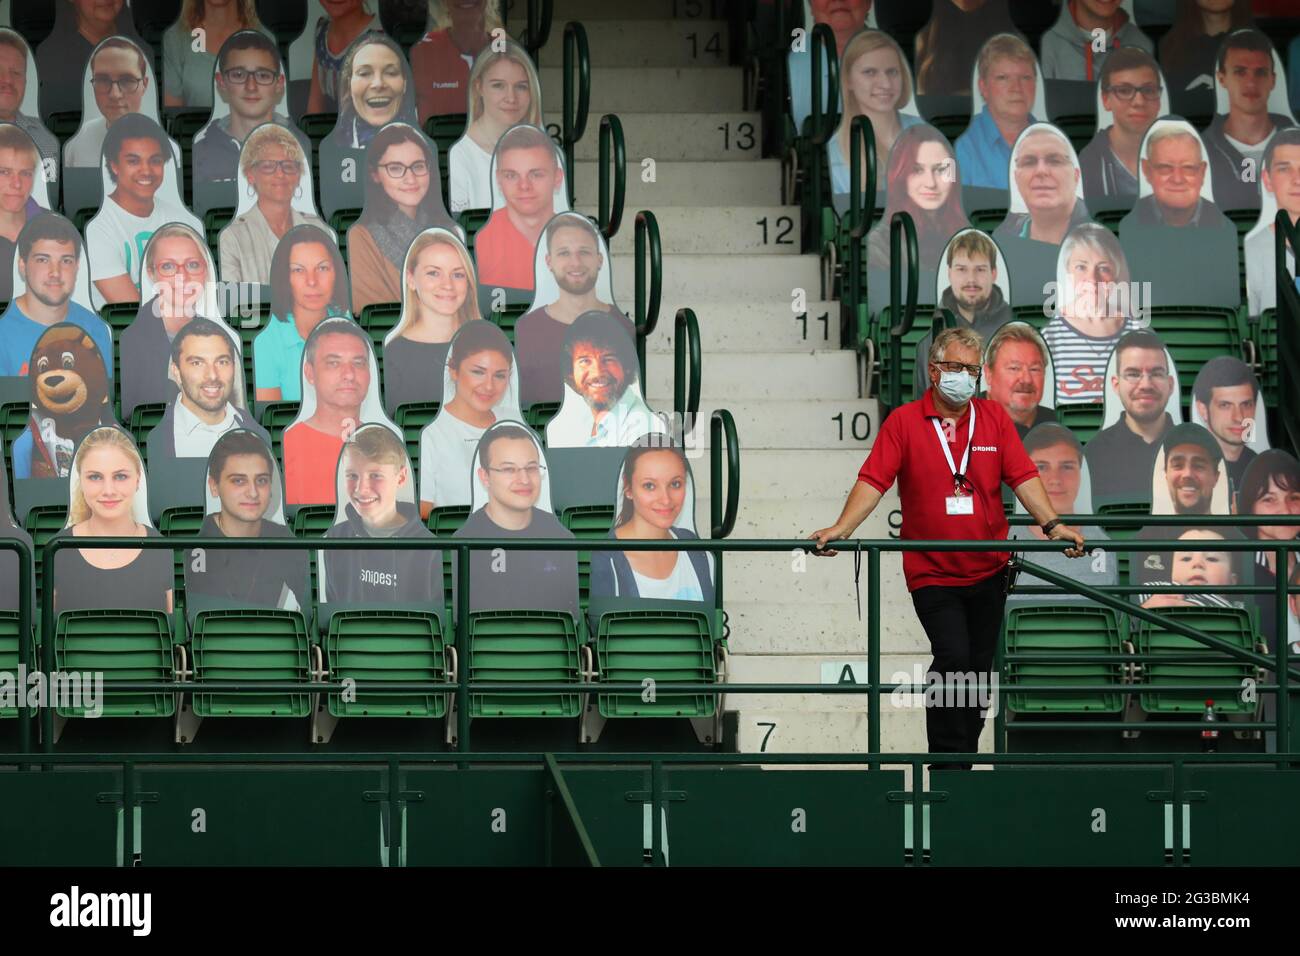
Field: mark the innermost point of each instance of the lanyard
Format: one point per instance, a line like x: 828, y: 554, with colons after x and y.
x: 958, y: 475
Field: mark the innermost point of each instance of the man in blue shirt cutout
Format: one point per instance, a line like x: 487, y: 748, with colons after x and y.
x: 49, y: 260
x: 1008, y: 82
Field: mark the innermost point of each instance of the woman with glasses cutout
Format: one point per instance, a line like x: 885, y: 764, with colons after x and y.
x: 273, y: 164
x: 403, y: 199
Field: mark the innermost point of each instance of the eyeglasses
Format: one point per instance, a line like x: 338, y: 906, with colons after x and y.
x: 127, y: 84
x: 289, y: 167
x: 511, y: 472
x: 1126, y: 91
x: 398, y: 170
x: 974, y: 370
x: 169, y: 268
x: 239, y: 76
x: 1133, y: 375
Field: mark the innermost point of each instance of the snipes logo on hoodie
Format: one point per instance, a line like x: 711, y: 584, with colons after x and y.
x: 381, y: 579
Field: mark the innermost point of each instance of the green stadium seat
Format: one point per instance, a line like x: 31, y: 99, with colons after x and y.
x: 411, y: 418
x: 312, y: 521
x: 1265, y: 339
x: 508, y: 316
x: 387, y: 645
x: 214, y: 220
x: 472, y: 220
x: 143, y: 419
x: 380, y: 318
x: 64, y: 124
x: 9, y: 638
x: 951, y: 125
x: 340, y: 221
x: 43, y: 522
x: 1195, y: 334
x: 1078, y: 128
x: 119, y: 315
x: 1033, y: 314
x: 13, y: 419
x: 539, y: 414
x: 275, y: 417
x: 1082, y: 418
x: 1110, y: 218
x: 1233, y: 625
x: 446, y: 521
x: 987, y: 219
x: 523, y: 647
x: 317, y: 126
x: 181, y: 521
x: 668, y: 646
x: 1105, y: 508
x: 1063, y: 629
x: 880, y: 333
x: 587, y: 521
x: 251, y: 646
x: 123, y: 645
x: 445, y: 130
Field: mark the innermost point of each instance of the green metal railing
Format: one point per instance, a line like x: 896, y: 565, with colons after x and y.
x: 901, y: 228
x: 687, y: 365
x: 609, y: 210
x: 648, y: 280
x: 825, y: 110
x: 1288, y: 329
x: 862, y: 205
x: 874, y: 688
x: 538, y: 30
x: 577, y: 62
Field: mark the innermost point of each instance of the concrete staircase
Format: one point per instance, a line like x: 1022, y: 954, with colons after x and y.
x: 731, y: 253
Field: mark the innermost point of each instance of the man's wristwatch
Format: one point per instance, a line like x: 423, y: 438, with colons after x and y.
x: 1047, y: 528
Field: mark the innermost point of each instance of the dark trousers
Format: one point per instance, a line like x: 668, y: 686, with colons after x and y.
x: 963, y: 625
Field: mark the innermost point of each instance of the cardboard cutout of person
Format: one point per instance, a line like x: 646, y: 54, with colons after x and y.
x: 375, y: 89
x: 1189, y: 477
x: 179, y: 284
x: 1144, y: 383
x: 1093, y: 309
x: 248, y: 90
x: 10, y: 529
x: 1006, y: 90
x: 1201, y: 568
x: 19, y: 92
x: 119, y: 81
x: 1271, y: 487
x: 403, y: 199
x: 24, y: 190
x: 503, y: 90
x: 439, y: 298
x: 340, y: 392
x: 141, y: 195
x: 376, y: 499
x: 572, y: 277
x: 108, y: 497
x: 316, y: 57
x: 528, y: 181
x: 1018, y: 375
x: 244, y: 498
x: 441, y: 60
x: 1280, y: 189
x: 655, y: 500
x: 480, y: 388
x: 275, y: 196
x: 1071, y: 47
x: 1226, y: 399
x: 191, y: 45
x: 72, y: 395
x: 79, y: 26
x: 603, y: 406
x: 949, y: 45
x: 1131, y: 94
x: 1251, y: 106
x: 51, y: 285
x: 308, y: 285
x: 512, y: 499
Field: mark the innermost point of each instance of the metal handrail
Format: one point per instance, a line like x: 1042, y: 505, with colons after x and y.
x: 646, y: 297
x: 609, y: 214
x: 900, y: 226
x: 686, y: 371
x: 861, y: 138
x: 722, y: 522
x: 577, y: 56
x: 540, y: 14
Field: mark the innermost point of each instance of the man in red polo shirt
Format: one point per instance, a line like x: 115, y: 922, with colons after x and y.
x: 951, y: 452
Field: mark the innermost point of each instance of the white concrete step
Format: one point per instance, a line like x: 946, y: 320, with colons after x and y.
x: 584, y: 10
x: 655, y: 89
x: 691, y: 278
x: 645, y: 43
x: 798, y: 731
x: 767, y: 375
x: 670, y: 182
x: 802, y: 424
x: 778, y: 627
x: 783, y: 477
x: 669, y: 136
x: 822, y: 668
x: 747, y: 230
x: 752, y: 327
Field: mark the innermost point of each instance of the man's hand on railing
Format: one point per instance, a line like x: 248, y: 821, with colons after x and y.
x: 1063, y: 532
x: 833, y: 533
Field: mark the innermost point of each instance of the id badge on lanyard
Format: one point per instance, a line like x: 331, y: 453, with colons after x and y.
x: 961, y: 501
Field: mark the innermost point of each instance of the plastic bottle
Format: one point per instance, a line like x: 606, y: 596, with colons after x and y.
x: 1209, y: 734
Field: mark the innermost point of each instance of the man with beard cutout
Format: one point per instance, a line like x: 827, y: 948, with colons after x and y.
x: 602, y: 408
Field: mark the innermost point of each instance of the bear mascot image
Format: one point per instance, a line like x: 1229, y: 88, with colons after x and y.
x: 71, y: 396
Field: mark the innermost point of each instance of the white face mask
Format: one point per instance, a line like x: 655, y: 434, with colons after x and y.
x: 957, y: 387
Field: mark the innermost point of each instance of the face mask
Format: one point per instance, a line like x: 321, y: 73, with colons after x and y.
x: 957, y: 387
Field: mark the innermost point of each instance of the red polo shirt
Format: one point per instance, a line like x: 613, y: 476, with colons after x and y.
x: 907, y: 448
